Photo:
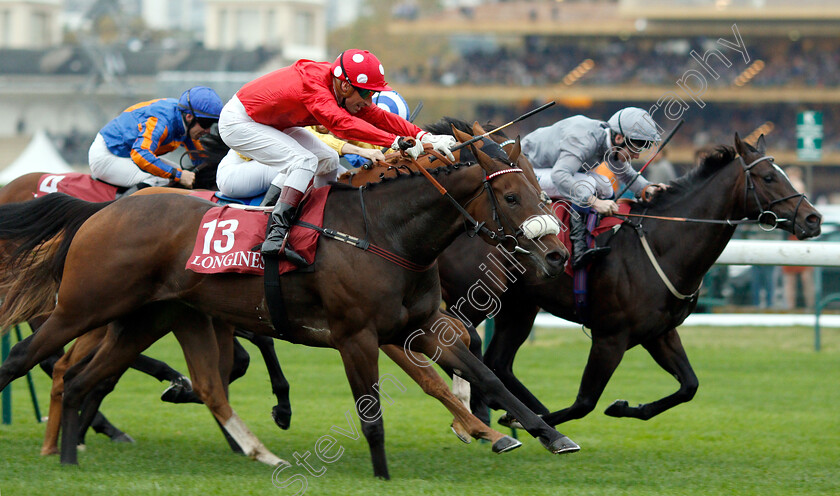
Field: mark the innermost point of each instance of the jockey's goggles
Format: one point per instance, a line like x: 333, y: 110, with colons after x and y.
x: 206, y: 122
x: 365, y: 94
x: 638, y: 145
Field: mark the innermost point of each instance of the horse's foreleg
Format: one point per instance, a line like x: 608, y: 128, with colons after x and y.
x: 437, y: 339
x: 282, y: 412
x: 465, y: 424
x: 604, y: 356
x: 668, y: 351
x: 179, y: 389
x: 360, y: 354
x: 513, y: 326
x: 201, y: 345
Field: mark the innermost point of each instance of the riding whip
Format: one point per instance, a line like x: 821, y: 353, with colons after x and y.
x: 488, y: 133
x: 664, y: 142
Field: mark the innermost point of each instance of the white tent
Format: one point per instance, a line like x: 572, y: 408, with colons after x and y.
x: 39, y: 155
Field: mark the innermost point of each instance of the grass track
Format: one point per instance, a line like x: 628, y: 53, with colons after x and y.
x: 765, y: 421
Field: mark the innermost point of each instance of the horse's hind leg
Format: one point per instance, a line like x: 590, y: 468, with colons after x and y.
x: 465, y: 424
x: 80, y: 349
x: 282, y: 412
x: 201, y: 346
x: 604, y: 356
x: 668, y: 351
x: 125, y: 339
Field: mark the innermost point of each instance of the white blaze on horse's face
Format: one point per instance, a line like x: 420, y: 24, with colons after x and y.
x: 538, y: 226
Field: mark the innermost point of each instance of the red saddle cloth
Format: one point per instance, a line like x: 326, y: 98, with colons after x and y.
x: 227, y: 234
x: 562, y: 210
x: 77, y: 185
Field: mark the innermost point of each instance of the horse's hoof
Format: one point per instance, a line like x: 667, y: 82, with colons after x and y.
x: 506, y: 444
x: 49, y: 451
x: 617, y: 409
x: 179, y: 391
x: 561, y: 445
x: 509, y: 420
x: 282, y: 418
x: 122, y: 437
x: 81, y: 447
x: 463, y: 437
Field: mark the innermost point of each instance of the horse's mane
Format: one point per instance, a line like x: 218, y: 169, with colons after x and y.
x: 443, y: 126
x: 446, y: 169
x: 722, y: 156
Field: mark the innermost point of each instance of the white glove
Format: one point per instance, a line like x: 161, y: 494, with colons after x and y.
x: 442, y: 143
x: 415, y: 151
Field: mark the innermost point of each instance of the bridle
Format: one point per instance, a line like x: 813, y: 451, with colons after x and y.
x: 749, y: 187
x: 534, y: 227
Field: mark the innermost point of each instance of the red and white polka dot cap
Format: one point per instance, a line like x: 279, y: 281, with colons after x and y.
x: 361, y: 69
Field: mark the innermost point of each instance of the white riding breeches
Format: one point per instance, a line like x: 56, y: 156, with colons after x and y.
x: 292, y: 157
x: 119, y: 171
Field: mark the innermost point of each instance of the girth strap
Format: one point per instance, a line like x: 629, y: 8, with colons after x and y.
x: 274, y: 294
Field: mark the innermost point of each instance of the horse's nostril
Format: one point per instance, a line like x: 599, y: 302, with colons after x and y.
x: 813, y: 219
x: 556, y: 258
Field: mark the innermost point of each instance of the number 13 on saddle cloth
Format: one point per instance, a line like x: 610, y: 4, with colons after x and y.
x: 227, y: 235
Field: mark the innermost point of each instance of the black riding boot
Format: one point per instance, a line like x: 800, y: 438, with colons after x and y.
x: 281, y: 221
x: 271, y: 196
x: 582, y: 255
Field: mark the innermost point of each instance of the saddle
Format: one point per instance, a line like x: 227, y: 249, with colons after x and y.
x: 78, y: 185
x: 227, y: 234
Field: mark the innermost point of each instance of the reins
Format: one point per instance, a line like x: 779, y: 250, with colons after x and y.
x: 749, y: 187
x: 477, y: 227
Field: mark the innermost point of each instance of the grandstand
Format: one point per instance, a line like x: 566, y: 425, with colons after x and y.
x: 595, y: 57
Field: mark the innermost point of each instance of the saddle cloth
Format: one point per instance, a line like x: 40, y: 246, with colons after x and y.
x: 562, y: 209
x: 77, y: 185
x: 226, y: 236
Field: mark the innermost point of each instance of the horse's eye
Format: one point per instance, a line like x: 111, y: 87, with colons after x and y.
x: 511, y: 198
x: 768, y: 178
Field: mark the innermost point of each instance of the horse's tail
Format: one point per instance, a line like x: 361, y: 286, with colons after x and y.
x: 34, y: 239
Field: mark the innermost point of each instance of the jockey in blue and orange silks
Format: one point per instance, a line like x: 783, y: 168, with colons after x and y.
x: 127, y: 151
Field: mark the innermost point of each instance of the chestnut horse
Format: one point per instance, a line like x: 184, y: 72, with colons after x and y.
x: 628, y: 302
x: 352, y: 301
x: 465, y: 425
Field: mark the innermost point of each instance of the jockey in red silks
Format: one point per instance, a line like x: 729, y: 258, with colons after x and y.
x: 263, y: 124
x: 126, y: 152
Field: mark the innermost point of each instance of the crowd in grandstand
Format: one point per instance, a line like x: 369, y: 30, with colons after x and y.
x: 543, y: 61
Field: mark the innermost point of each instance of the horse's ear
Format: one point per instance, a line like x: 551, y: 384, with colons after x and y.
x: 514, y: 153
x: 460, y: 135
x: 760, y: 145
x: 483, y: 159
x: 477, y: 129
x: 740, y: 147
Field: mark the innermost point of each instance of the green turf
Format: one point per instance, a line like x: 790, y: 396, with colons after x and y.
x: 765, y: 421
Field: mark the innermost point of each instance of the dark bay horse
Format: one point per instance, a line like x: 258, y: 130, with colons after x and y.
x: 353, y: 301
x: 628, y: 303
